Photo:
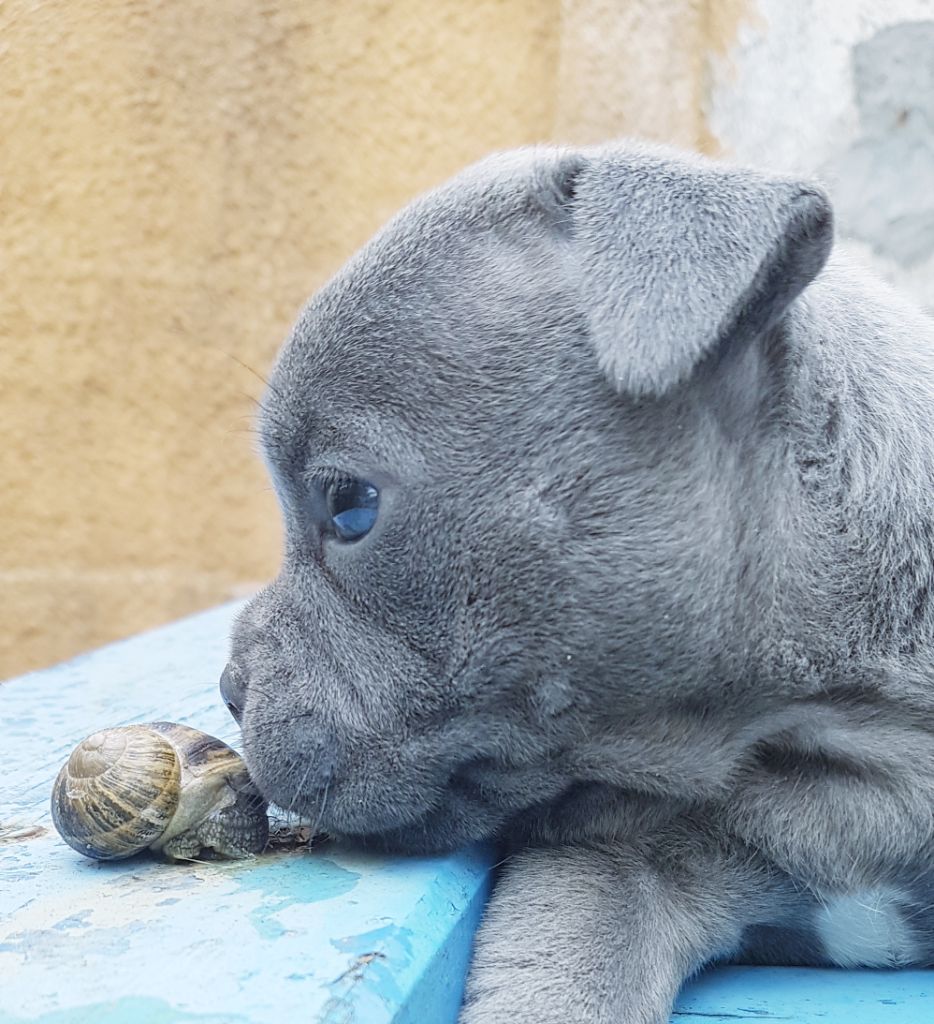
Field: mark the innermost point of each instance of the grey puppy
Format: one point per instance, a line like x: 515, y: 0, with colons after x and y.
x: 609, y: 512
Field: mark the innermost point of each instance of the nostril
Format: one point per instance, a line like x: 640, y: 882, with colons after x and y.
x: 233, y: 690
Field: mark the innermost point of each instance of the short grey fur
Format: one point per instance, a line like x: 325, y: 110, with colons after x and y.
x: 648, y: 601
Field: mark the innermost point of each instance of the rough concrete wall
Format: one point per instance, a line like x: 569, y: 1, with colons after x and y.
x: 844, y: 91
x: 175, y: 178
x: 838, y: 89
x: 640, y: 68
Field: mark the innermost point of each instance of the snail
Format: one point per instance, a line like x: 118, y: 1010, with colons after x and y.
x: 161, y: 786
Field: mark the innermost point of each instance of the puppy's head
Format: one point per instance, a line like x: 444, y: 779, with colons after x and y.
x: 505, y: 441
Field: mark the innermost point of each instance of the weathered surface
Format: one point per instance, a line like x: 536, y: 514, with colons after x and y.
x: 843, y: 91
x: 175, y: 179
x: 885, y: 191
x: 807, y: 996
x: 327, y: 935
x: 323, y: 935
x: 640, y: 68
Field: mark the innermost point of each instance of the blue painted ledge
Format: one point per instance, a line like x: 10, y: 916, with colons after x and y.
x: 325, y: 936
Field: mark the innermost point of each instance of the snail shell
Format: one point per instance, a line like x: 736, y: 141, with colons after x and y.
x: 161, y: 786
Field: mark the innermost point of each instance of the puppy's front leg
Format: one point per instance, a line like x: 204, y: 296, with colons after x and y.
x: 601, y: 935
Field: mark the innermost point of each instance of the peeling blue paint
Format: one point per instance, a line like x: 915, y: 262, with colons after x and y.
x: 54, y: 944
x: 374, y: 939
x: 79, y: 920
x: 379, y: 956
x: 295, y: 936
x: 297, y: 878
x: 147, y: 942
x: 124, y: 1011
x: 286, y: 881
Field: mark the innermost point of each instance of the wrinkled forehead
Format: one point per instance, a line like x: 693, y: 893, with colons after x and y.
x: 368, y: 357
x: 432, y: 313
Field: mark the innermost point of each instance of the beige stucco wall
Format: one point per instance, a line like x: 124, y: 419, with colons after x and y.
x: 175, y: 178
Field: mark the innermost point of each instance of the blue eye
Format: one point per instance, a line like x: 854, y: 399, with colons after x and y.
x: 353, y: 506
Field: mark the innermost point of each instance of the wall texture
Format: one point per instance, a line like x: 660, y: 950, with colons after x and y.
x: 844, y: 91
x: 176, y: 178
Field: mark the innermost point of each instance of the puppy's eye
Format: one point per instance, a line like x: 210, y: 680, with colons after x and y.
x: 353, y: 506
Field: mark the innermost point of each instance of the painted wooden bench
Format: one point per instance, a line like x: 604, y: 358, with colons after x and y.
x: 327, y: 935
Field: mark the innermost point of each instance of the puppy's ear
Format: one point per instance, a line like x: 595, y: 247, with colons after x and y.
x: 678, y: 256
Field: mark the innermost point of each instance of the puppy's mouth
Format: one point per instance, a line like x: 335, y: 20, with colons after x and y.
x: 388, y: 813
x: 456, y: 816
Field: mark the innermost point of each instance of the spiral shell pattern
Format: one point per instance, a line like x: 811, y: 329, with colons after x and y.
x: 117, y: 792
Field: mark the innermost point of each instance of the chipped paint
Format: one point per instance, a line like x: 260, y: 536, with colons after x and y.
x: 12, y: 834
x: 283, y: 879
x: 805, y: 995
x: 373, y: 939
x: 122, y: 1011
x: 325, y: 936
x: 261, y: 940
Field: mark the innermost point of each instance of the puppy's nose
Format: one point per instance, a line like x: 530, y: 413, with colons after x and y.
x: 233, y: 689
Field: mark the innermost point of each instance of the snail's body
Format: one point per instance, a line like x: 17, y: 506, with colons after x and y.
x: 161, y: 786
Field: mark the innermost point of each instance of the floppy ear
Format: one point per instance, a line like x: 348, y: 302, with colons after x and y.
x: 678, y: 256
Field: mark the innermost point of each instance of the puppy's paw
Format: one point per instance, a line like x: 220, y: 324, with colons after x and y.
x: 558, y: 944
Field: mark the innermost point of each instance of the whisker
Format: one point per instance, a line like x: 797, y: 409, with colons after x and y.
x: 178, y: 330
x: 279, y: 394
x: 300, y: 786
x: 324, y: 803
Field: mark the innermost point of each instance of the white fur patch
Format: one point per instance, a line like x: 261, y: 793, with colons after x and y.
x: 865, y: 930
